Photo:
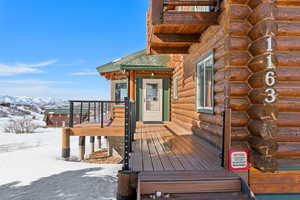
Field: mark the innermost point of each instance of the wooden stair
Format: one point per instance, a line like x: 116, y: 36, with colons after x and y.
x: 191, y: 185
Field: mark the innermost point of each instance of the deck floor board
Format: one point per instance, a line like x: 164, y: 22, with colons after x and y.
x: 157, y: 148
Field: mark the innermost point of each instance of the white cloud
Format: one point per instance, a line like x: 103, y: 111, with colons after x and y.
x: 84, y: 73
x: 30, y: 82
x: 22, y: 68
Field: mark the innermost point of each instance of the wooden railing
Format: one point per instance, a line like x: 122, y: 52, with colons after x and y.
x: 130, y: 128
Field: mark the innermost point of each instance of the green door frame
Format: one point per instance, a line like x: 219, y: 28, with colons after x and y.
x: 166, y: 98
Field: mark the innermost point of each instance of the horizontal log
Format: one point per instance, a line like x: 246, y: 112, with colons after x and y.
x: 239, y: 104
x: 189, y: 114
x: 288, y: 119
x: 266, y: 27
x: 260, y: 46
x: 265, y: 164
x: 260, y: 63
x: 211, y: 128
x: 239, y: 27
x: 239, y: 58
x: 190, y: 18
x: 238, y: 43
x: 239, y: 73
x: 288, y: 134
x: 174, y: 38
x: 212, y: 119
x: 262, y: 11
x: 190, y: 107
x: 239, y: 89
x: 239, y: 11
x: 170, y: 50
x: 263, y: 112
x: 288, y: 2
x: 239, y: 119
x: 212, y: 138
x: 239, y: 134
x: 288, y: 58
x: 263, y: 129
x: 264, y: 147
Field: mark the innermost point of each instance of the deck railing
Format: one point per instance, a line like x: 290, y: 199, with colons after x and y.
x: 130, y: 127
x: 159, y: 7
x: 91, y: 111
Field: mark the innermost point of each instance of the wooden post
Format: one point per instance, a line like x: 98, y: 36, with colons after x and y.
x: 92, y: 141
x: 99, y: 146
x: 81, y: 147
x: 131, y: 85
x: 127, y: 185
x: 65, y: 143
x: 109, y: 148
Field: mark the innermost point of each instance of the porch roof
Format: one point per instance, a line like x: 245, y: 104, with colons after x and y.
x: 137, y: 61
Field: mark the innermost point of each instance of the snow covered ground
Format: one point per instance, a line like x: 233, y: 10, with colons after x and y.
x: 30, y: 169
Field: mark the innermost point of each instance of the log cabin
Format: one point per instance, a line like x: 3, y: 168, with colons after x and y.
x: 219, y: 79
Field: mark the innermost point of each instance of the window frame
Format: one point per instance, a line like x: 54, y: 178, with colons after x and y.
x: 175, y: 87
x: 201, y: 62
x: 115, y: 88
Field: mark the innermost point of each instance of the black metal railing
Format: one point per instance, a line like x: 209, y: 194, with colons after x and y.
x: 130, y: 127
x: 91, y: 111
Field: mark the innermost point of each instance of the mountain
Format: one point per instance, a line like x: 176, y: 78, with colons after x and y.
x: 48, y: 101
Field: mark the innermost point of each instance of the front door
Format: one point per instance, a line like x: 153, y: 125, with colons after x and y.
x: 152, y: 99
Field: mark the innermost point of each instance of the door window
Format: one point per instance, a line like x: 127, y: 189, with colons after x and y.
x: 152, y: 97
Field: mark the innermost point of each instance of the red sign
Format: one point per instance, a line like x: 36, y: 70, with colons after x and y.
x: 238, y: 159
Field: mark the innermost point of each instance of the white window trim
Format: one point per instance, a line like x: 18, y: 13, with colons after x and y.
x: 198, y: 107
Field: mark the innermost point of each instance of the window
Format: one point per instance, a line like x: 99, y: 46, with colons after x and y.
x: 121, y: 91
x: 205, y: 84
x: 175, y: 87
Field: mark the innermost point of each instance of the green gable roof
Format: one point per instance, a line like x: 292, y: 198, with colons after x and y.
x: 137, y: 61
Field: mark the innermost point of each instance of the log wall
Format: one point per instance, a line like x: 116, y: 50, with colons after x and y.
x: 241, y: 49
x: 229, y: 41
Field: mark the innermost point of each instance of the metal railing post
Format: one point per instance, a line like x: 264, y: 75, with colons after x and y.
x: 71, y: 114
x: 126, y: 137
x: 102, y: 114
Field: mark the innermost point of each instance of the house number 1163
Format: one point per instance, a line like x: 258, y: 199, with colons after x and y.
x: 270, y: 76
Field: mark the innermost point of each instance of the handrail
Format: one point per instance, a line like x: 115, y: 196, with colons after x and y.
x: 130, y: 128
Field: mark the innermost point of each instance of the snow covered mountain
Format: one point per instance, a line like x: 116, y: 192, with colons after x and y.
x: 49, y: 101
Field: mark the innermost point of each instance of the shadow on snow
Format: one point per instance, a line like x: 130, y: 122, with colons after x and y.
x: 69, y: 185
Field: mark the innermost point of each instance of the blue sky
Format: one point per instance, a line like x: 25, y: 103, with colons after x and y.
x: 52, y: 47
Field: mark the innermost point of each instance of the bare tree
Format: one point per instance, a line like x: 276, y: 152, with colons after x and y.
x: 21, y: 126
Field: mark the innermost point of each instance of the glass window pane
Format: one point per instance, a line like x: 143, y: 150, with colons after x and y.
x: 121, y: 91
x: 208, y: 86
x: 152, y: 97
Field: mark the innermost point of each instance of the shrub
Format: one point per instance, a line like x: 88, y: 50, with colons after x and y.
x: 20, y: 126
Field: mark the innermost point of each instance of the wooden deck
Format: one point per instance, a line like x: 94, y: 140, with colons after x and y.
x: 158, y: 147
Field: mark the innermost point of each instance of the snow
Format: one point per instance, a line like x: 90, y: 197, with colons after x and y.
x: 32, y: 100
x: 31, y: 169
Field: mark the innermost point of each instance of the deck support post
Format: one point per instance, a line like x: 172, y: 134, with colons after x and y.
x: 92, y: 141
x: 99, y: 146
x: 81, y: 147
x: 65, y: 143
x: 109, y: 148
x: 127, y: 185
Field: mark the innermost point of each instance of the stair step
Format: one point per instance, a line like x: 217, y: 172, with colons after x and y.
x: 206, y: 196
x: 188, y: 182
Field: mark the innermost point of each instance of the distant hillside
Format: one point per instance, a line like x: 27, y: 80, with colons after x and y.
x: 49, y: 101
